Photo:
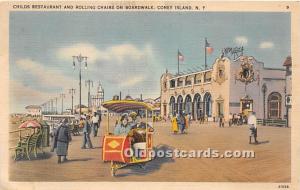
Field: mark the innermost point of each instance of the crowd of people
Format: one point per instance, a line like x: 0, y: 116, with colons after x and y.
x: 127, y: 124
x: 180, y: 122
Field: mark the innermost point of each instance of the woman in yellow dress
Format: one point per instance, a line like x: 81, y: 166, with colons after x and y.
x: 174, y: 124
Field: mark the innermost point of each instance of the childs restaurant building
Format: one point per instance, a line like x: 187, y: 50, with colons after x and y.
x: 228, y: 87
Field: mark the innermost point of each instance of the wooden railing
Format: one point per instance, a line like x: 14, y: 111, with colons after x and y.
x: 272, y: 122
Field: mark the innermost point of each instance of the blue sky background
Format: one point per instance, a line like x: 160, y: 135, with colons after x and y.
x: 129, y: 51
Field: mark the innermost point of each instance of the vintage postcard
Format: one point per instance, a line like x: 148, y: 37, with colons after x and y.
x: 188, y: 95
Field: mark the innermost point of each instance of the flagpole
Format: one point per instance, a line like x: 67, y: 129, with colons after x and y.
x: 205, y: 65
x: 178, y: 61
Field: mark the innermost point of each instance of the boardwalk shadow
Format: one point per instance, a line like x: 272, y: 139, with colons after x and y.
x: 98, y: 147
x: 150, y: 166
x: 263, y: 142
x: 79, y: 159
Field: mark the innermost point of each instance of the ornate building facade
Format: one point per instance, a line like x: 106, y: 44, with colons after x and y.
x: 97, y: 99
x: 228, y: 87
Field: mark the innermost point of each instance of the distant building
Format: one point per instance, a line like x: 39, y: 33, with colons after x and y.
x: 231, y: 86
x: 155, y: 103
x: 97, y: 99
x: 84, y: 109
x: 33, y: 110
x: 128, y: 97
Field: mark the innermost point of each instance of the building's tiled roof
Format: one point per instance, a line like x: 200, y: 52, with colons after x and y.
x: 33, y: 107
x: 288, y: 61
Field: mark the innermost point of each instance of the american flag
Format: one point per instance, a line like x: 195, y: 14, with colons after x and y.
x: 208, y: 47
x: 180, y: 56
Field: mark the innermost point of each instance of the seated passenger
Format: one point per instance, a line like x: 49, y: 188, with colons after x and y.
x: 132, y: 122
x: 142, y: 125
x: 123, y: 127
x: 138, y: 132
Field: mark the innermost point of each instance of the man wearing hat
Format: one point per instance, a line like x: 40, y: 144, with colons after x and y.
x: 95, y: 121
x: 123, y: 127
x: 86, y: 133
x: 252, y: 127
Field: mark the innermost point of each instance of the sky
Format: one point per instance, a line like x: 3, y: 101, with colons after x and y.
x: 128, y: 51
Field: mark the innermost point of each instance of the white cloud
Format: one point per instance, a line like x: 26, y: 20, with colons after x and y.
x: 241, y: 40
x: 132, y: 81
x: 44, y: 75
x: 85, y: 49
x: 266, y: 45
x: 117, y: 53
x: 22, y: 95
x: 123, y: 65
x: 26, y: 93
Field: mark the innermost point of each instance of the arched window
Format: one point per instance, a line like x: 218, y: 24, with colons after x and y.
x: 172, y: 108
x: 274, y: 105
x: 180, y: 104
x: 188, y: 104
x: 197, y: 107
x: 207, y: 104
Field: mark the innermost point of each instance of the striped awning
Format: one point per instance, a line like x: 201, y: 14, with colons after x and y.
x: 124, y: 105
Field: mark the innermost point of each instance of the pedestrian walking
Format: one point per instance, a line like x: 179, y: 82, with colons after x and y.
x: 86, y: 133
x: 95, y: 123
x: 199, y: 115
x: 252, y: 127
x: 240, y: 119
x: 187, y: 121
x: 99, y: 120
x: 174, y: 124
x: 234, y: 119
x: 221, y: 121
x: 62, y: 138
x: 230, y: 119
x: 181, y: 122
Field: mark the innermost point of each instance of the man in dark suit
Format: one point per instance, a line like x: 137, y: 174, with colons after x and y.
x: 86, y: 133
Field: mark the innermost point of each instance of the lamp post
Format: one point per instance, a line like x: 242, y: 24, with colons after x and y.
x: 48, y: 107
x: 62, y: 96
x: 88, y: 83
x: 43, y: 108
x: 72, y: 92
x: 51, y: 106
x: 264, y: 91
x: 56, y: 105
x: 80, y: 59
